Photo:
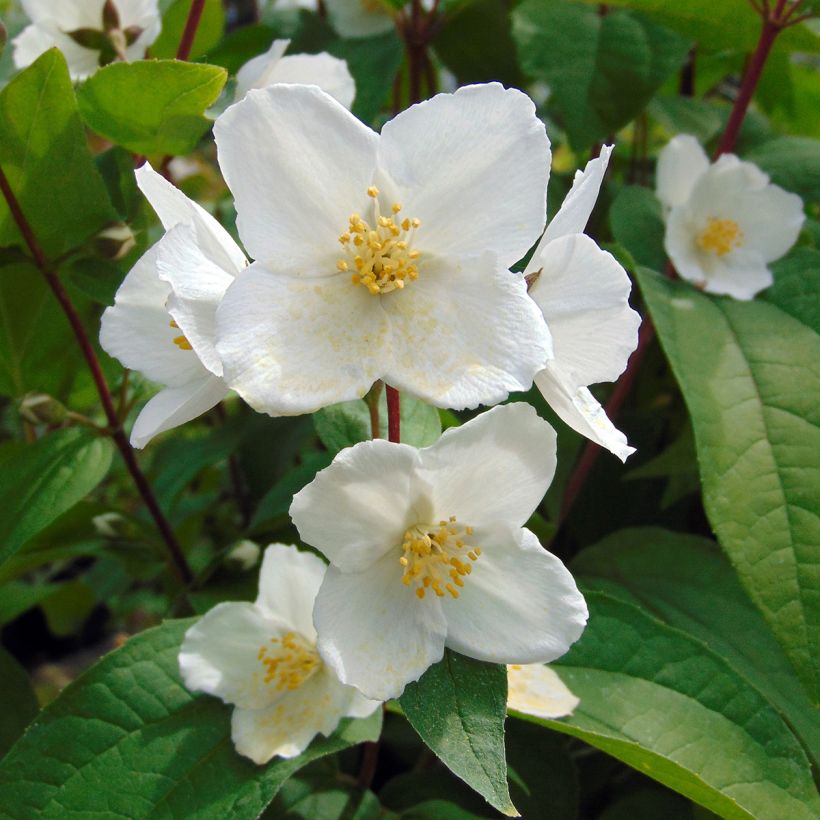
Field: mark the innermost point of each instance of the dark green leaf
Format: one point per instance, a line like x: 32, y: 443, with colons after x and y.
x: 208, y: 32
x: 18, y: 597
x: 458, y: 708
x: 637, y: 224
x: 602, y: 70
x: 750, y: 375
x: 685, y: 115
x: 126, y: 739
x: 667, y: 705
x: 43, y: 154
x: 40, y: 481
x: 796, y: 288
x: 792, y: 163
x: 151, y: 106
x: 18, y: 703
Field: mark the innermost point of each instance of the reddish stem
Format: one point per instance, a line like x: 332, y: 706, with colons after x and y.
x: 115, y: 427
x: 393, y: 414
x: 189, y: 33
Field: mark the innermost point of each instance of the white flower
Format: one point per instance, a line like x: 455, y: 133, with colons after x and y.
x: 382, y: 256
x: 584, y: 296
x: 169, y: 336
x: 360, y: 18
x: 427, y: 550
x: 90, y: 33
x: 330, y: 73
x: 262, y: 658
x: 537, y: 690
x: 724, y: 221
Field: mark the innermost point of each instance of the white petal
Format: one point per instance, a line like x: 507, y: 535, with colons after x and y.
x: 473, y: 166
x: 519, y: 605
x: 292, y: 345
x: 198, y: 285
x: 176, y: 405
x: 575, y: 211
x: 288, y: 582
x: 578, y: 408
x: 373, y: 630
x: 359, y: 507
x: 287, y: 727
x: 465, y: 333
x: 680, y: 164
x: 535, y: 689
x: 329, y: 73
x: 220, y: 654
x: 30, y: 43
x: 584, y: 295
x: 741, y: 274
x: 37, y: 10
x: 359, y: 18
x: 494, y: 468
x: 137, y: 330
x: 255, y: 73
x: 298, y: 164
x: 174, y: 208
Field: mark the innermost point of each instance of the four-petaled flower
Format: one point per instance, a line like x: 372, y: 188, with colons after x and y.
x: 262, y: 658
x: 169, y: 336
x: 382, y: 256
x: 428, y: 549
x: 90, y: 33
x: 724, y: 222
x: 329, y: 73
x: 584, y: 295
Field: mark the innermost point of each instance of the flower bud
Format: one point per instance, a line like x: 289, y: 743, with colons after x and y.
x: 114, y: 241
x: 40, y: 408
x: 244, y: 555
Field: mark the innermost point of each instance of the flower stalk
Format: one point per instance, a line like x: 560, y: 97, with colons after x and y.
x: 115, y: 429
x: 189, y: 32
x: 393, y: 414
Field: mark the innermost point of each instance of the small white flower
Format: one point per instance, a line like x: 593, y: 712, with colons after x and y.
x: 168, y: 335
x: 329, y: 73
x: 382, y: 255
x: 262, y: 658
x: 537, y: 690
x: 90, y: 33
x: 724, y: 222
x: 427, y: 550
x: 584, y: 295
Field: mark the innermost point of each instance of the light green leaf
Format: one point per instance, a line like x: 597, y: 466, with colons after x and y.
x: 18, y: 703
x: 796, y: 288
x: 750, y: 375
x: 208, y: 32
x: 151, y: 106
x: 671, y: 708
x: 458, y: 708
x: 345, y: 424
x: 127, y: 740
x: 637, y: 224
x: 686, y: 582
x: 43, y: 154
x: 792, y: 163
x: 602, y: 70
x: 40, y: 481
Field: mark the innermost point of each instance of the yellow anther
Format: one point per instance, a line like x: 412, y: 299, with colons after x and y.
x: 373, y: 191
x: 290, y: 665
x: 182, y: 343
x: 396, y: 207
x: 173, y: 323
x: 721, y: 236
x: 342, y: 265
x: 420, y: 592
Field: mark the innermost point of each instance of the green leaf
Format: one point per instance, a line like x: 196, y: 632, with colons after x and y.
x: 685, y: 115
x: 750, y: 375
x: 18, y: 703
x: 458, y: 708
x: 323, y: 798
x: 796, y: 288
x: 792, y: 163
x: 637, y: 224
x: 40, y: 481
x: 208, y: 32
x: 18, y: 597
x: 43, y: 154
x: 671, y: 708
x: 602, y: 70
x: 151, y: 106
x: 345, y: 424
x: 686, y: 582
x: 127, y: 739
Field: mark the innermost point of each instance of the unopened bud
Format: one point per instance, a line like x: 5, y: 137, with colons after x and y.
x: 244, y: 555
x: 110, y: 16
x: 108, y: 524
x: 40, y: 408
x: 114, y: 241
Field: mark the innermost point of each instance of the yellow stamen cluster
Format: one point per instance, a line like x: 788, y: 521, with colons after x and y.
x: 720, y: 236
x: 432, y: 557
x: 380, y: 258
x: 180, y: 341
x: 290, y: 664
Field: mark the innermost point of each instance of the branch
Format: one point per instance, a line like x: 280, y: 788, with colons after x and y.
x: 393, y: 414
x: 189, y: 32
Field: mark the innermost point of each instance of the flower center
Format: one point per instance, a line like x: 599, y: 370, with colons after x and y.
x: 289, y: 662
x: 431, y: 557
x: 720, y: 236
x: 381, y: 258
x: 180, y: 341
